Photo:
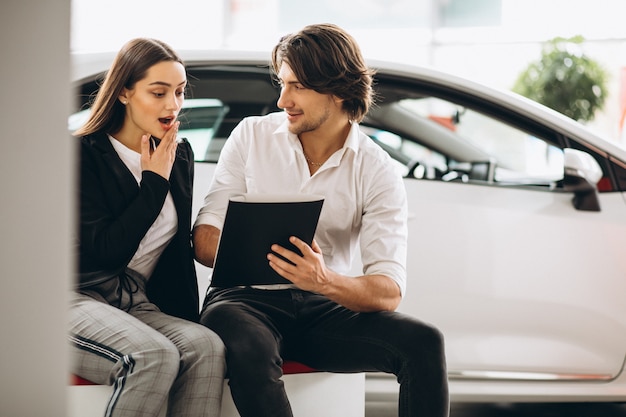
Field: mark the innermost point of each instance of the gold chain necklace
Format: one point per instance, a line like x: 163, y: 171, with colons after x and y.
x: 315, y: 164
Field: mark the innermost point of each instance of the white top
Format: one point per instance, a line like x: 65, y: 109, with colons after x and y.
x: 365, y: 198
x: 164, y: 227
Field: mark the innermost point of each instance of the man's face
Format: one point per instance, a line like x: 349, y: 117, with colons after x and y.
x: 307, y: 110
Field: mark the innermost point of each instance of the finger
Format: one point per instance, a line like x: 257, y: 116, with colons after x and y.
x: 281, y: 271
x: 285, y: 253
x: 316, y: 247
x: 278, y: 262
x: 300, y: 244
x: 172, y: 133
x: 171, y: 139
x: 145, y: 146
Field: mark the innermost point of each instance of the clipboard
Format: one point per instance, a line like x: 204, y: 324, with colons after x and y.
x: 253, y: 223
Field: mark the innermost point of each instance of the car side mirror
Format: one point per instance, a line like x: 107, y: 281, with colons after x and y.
x: 581, y: 175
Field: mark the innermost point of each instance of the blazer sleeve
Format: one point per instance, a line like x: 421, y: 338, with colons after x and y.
x: 115, y: 212
x: 174, y: 286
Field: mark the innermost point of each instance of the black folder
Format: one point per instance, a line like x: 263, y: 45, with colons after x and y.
x: 253, y: 223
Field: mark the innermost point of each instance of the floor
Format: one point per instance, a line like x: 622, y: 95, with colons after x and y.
x: 381, y: 409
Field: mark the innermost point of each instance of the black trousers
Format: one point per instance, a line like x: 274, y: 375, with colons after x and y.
x: 261, y: 328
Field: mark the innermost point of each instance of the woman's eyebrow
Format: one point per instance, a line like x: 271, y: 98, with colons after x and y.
x: 163, y: 83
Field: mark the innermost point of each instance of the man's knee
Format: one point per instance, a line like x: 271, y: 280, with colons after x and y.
x: 250, y: 344
x: 417, y: 336
x: 425, y: 347
x: 433, y: 338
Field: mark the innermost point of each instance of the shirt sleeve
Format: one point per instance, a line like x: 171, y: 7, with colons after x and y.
x: 228, y: 180
x: 383, y: 239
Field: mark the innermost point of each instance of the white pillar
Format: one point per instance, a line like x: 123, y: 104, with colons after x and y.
x: 36, y: 206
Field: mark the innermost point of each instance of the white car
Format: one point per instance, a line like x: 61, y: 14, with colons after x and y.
x: 517, y: 222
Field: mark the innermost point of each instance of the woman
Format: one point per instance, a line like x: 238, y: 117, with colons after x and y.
x: 131, y: 316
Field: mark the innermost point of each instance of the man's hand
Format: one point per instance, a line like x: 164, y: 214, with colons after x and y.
x: 309, y: 273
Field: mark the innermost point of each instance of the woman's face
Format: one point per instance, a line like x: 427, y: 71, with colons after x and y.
x: 153, y: 104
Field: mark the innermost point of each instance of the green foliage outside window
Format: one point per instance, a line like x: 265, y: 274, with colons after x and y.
x: 565, y: 80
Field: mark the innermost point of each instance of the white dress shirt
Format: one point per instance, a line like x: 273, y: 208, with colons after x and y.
x: 365, y: 198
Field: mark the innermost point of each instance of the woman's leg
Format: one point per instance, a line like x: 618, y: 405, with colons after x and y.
x: 197, y: 391
x: 111, y: 347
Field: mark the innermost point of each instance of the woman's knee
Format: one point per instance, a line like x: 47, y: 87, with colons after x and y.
x: 155, y: 360
x: 162, y: 354
x: 202, y: 339
x: 204, y: 346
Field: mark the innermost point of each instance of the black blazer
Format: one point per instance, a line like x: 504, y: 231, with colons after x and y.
x: 116, y: 213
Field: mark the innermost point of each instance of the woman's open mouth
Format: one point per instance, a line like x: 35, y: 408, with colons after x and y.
x: 166, y: 122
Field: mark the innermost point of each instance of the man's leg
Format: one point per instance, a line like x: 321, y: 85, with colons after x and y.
x: 249, y: 323
x: 333, y: 338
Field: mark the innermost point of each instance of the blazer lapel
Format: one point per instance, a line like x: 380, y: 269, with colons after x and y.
x: 181, y: 184
x: 125, y: 179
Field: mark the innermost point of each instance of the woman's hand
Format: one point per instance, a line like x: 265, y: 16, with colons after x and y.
x: 161, y: 159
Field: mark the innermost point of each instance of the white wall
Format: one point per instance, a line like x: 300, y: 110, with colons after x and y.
x: 105, y: 25
x: 491, y: 55
x: 36, y: 164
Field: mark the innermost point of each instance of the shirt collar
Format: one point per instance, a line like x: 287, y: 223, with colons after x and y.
x: 352, y: 141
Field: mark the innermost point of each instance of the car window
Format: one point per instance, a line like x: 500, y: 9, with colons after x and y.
x: 408, y: 154
x: 200, y: 121
x: 519, y: 156
x: 464, y: 145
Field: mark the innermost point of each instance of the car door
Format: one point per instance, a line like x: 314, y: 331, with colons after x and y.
x: 523, y: 285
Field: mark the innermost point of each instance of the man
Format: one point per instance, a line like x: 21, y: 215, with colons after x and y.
x: 324, y: 319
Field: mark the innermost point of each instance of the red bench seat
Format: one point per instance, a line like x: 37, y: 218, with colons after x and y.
x: 289, y: 367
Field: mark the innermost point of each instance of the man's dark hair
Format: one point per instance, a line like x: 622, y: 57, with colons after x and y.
x: 326, y: 59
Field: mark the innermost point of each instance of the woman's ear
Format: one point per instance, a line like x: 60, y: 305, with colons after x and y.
x: 123, y: 97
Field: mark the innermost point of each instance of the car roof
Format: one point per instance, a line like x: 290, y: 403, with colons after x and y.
x: 88, y: 66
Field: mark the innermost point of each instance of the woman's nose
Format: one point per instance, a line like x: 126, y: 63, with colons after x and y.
x: 174, y: 103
